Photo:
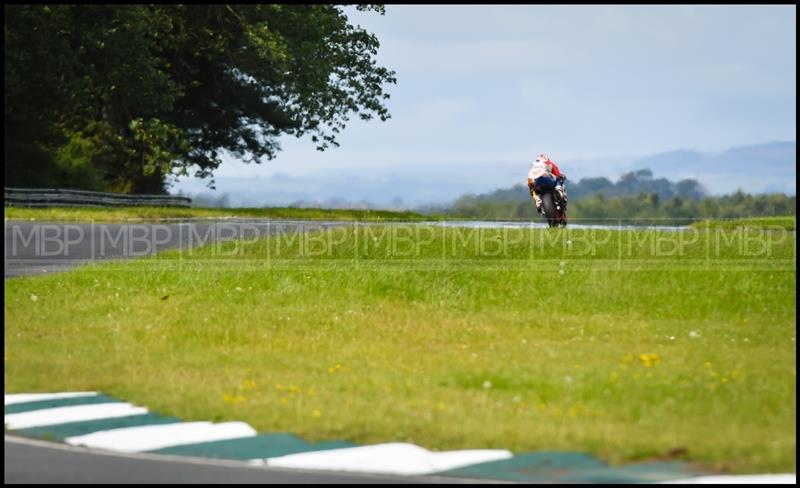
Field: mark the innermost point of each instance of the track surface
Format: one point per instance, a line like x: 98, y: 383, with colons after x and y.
x: 27, y: 461
x: 42, y: 247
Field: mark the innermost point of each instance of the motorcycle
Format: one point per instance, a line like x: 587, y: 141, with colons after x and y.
x: 554, y: 202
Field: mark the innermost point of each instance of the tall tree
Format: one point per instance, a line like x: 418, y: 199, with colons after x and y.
x: 141, y: 92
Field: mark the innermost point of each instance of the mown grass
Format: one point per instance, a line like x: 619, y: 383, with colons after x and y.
x: 155, y: 214
x: 778, y: 223
x: 624, y: 344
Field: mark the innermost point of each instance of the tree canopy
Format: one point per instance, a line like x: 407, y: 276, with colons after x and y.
x: 120, y: 97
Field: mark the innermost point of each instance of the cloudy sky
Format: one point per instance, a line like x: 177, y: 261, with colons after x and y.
x: 499, y: 84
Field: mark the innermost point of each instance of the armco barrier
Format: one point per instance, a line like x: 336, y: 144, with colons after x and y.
x: 29, y: 197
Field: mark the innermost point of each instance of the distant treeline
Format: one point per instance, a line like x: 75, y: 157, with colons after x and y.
x: 636, y: 195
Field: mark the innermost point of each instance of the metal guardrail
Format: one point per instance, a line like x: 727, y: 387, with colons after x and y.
x: 29, y: 197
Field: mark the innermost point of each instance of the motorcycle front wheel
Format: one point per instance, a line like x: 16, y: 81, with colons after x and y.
x: 549, y: 208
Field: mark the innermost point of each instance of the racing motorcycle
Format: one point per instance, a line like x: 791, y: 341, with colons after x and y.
x: 554, y: 200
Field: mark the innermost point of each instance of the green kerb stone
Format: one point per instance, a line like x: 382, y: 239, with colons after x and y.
x: 258, y: 447
x: 71, y: 429
x: 57, y: 403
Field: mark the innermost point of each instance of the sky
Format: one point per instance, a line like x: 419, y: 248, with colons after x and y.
x: 482, y: 85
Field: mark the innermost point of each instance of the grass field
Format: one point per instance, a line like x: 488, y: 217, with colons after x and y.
x: 155, y: 214
x: 778, y: 223
x: 629, y: 345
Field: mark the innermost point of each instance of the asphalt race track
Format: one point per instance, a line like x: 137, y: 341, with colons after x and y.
x: 27, y: 461
x: 41, y: 247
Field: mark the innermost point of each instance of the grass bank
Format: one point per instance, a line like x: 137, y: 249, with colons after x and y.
x: 630, y: 345
x: 778, y: 223
x: 155, y: 214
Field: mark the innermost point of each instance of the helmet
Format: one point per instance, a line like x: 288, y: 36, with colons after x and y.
x: 542, y: 158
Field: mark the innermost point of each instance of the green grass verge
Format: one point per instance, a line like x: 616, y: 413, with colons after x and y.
x: 626, y: 345
x: 780, y: 223
x: 155, y: 214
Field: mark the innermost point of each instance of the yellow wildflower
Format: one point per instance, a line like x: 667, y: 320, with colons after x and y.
x: 233, y: 398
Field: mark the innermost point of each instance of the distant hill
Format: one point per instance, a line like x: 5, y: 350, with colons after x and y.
x: 762, y: 168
